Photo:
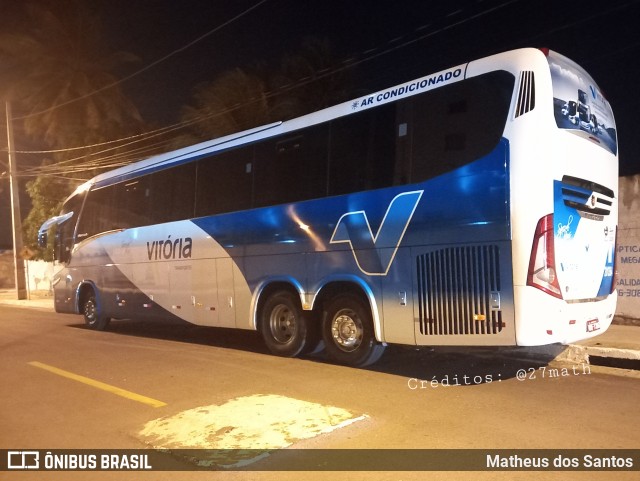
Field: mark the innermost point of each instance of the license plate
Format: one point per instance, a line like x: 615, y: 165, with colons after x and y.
x: 593, y: 325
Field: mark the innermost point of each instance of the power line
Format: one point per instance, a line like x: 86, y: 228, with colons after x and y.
x: 148, y: 148
x: 346, y: 64
x: 151, y: 65
x: 143, y: 136
x: 116, y: 160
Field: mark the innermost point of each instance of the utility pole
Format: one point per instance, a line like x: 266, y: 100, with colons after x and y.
x: 16, y: 220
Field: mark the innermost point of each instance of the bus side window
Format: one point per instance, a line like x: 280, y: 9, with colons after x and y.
x: 134, y: 203
x: 457, y: 124
x: 118, y: 206
x: 99, y: 213
x: 291, y: 168
x: 224, y: 182
x: 362, y: 154
x: 173, y: 193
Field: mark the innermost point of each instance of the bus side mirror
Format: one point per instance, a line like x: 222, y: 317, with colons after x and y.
x: 43, y: 236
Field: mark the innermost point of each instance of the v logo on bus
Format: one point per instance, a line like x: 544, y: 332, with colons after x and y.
x: 374, y: 254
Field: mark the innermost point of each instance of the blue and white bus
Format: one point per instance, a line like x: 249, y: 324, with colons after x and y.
x: 473, y: 206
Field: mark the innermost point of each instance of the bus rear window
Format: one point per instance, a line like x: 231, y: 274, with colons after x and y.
x: 579, y: 105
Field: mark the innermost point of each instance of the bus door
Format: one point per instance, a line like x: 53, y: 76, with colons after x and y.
x: 212, y: 297
x: 226, y: 293
x: 204, y: 299
x: 152, y: 278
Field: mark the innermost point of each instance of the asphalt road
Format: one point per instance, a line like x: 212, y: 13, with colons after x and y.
x: 67, y: 387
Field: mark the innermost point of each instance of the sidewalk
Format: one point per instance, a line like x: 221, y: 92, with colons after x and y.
x: 38, y: 299
x: 619, y: 346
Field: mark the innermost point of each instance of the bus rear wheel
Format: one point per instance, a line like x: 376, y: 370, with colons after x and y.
x: 347, y: 330
x: 285, y: 328
x: 92, y: 317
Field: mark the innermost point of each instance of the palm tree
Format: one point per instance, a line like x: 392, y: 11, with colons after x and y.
x: 61, y: 76
x: 58, y: 74
x: 309, y: 79
x: 238, y: 100
x: 234, y: 101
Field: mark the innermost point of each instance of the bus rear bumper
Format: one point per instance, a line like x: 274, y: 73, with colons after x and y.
x: 553, y: 320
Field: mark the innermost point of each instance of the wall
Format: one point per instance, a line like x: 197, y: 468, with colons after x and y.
x: 39, y: 273
x: 628, y: 255
x: 6, y: 269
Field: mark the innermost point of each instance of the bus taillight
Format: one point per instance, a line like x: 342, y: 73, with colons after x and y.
x: 542, y: 264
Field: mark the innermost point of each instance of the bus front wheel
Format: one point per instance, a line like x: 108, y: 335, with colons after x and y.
x: 348, y: 334
x: 92, y: 316
x: 284, y: 325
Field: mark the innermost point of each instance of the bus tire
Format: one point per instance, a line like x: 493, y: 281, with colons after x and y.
x: 284, y: 325
x: 93, y: 319
x: 347, y: 330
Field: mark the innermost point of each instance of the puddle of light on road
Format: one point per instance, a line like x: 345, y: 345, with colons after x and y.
x: 244, y: 429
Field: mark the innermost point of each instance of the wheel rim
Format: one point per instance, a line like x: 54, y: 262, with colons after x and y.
x: 347, y: 330
x: 90, y: 312
x: 282, y: 323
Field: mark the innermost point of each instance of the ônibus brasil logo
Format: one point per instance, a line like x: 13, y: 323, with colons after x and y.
x: 374, y: 254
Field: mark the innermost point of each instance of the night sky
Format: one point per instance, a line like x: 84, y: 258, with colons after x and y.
x: 389, y: 41
x: 386, y: 42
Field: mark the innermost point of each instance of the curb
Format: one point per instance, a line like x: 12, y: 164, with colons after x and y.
x: 582, y: 354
